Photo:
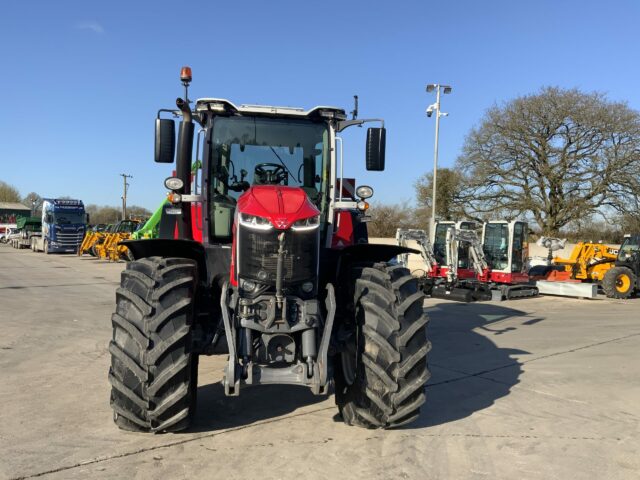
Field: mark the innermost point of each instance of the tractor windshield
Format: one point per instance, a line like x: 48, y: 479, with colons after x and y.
x: 259, y: 150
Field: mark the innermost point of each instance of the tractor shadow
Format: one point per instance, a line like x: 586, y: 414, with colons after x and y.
x: 255, y: 403
x: 469, y: 371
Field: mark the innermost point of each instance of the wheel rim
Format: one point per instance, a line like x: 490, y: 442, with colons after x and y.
x: 623, y: 282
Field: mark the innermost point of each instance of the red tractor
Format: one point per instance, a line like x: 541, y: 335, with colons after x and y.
x: 271, y: 255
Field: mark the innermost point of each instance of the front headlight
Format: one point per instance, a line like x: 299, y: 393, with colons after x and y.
x: 248, y: 285
x: 364, y: 192
x: 173, y: 183
x: 255, y: 222
x: 310, y: 223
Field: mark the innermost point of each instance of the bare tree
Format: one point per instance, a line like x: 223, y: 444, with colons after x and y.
x: 559, y: 155
x: 385, y: 219
x: 33, y: 201
x: 8, y: 193
x: 449, y: 183
x: 108, y: 214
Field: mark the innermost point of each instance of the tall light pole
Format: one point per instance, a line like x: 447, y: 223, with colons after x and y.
x: 124, y: 194
x: 435, y: 107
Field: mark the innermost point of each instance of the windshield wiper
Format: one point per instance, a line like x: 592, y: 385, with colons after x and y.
x: 283, y: 164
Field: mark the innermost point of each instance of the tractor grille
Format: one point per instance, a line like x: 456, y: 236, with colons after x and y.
x: 258, y: 255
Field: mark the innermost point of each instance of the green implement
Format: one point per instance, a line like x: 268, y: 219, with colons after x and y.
x: 29, y: 223
x: 149, y: 229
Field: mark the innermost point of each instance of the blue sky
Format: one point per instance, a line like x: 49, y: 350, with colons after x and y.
x: 82, y: 81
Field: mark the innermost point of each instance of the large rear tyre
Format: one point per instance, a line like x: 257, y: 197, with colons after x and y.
x: 380, y: 376
x: 153, y: 371
x: 619, y: 282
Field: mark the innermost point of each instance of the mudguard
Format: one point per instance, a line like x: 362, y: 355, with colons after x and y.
x: 368, y: 252
x: 160, y: 247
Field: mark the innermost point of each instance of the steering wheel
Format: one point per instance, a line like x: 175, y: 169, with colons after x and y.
x: 270, y: 174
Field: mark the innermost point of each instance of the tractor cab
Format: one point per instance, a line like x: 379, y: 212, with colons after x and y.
x: 257, y: 150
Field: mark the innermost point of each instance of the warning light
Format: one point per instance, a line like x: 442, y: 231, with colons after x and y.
x: 185, y: 74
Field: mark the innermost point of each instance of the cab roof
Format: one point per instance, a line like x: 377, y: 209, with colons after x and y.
x: 222, y: 105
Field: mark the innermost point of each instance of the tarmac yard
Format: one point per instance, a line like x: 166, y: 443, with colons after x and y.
x: 542, y: 388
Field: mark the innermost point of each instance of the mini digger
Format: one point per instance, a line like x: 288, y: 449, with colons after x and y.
x: 270, y: 255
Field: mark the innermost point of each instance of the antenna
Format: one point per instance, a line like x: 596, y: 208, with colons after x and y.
x: 354, y: 112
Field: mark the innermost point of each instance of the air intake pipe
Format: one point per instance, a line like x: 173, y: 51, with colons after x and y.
x: 183, y: 165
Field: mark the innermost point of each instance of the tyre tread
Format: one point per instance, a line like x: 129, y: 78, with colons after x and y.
x: 389, y: 387
x: 151, y: 374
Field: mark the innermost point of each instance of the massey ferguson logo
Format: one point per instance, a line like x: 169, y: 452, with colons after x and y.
x: 280, y: 222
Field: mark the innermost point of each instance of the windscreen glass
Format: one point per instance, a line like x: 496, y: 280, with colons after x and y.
x: 246, y: 151
x: 496, y: 245
x: 629, y: 247
x: 440, y: 243
x: 269, y: 151
x: 67, y: 218
x: 519, y: 240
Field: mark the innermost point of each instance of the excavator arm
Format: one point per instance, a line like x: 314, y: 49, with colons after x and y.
x: 403, y: 235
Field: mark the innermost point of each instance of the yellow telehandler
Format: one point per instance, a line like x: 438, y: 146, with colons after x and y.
x: 588, y: 262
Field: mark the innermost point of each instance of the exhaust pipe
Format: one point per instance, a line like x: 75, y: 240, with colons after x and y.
x: 183, y: 165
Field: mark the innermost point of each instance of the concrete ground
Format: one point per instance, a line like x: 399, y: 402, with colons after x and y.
x: 543, y: 388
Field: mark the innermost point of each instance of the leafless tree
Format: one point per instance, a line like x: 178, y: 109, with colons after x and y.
x: 449, y: 183
x: 558, y: 156
x: 386, y: 219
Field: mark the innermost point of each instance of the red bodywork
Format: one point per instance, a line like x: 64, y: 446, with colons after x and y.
x: 282, y: 206
x: 196, y: 221
x: 343, y: 233
x: 508, y: 278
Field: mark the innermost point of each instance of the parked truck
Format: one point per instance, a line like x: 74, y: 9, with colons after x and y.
x: 63, y: 226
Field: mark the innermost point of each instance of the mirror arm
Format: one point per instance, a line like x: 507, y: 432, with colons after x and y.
x: 350, y: 123
x: 175, y: 113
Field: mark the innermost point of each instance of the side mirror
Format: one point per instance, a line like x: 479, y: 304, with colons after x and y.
x: 165, y: 145
x: 376, y: 143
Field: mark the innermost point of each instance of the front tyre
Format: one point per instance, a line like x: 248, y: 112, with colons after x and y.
x: 619, y: 282
x: 381, y: 374
x: 153, y: 372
